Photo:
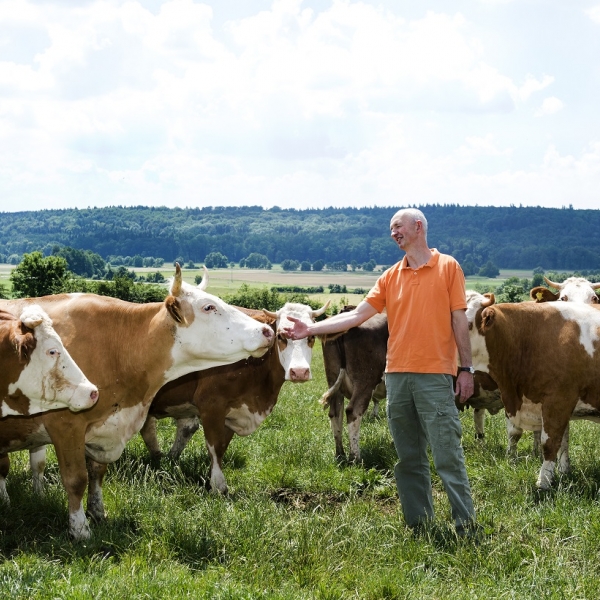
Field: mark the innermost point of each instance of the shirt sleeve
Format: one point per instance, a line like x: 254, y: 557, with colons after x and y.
x: 457, y: 288
x: 376, y: 297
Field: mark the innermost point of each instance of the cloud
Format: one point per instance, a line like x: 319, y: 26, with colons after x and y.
x: 549, y: 106
x: 594, y: 13
x: 108, y: 102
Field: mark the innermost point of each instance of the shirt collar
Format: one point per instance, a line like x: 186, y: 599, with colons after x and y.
x: 435, y: 256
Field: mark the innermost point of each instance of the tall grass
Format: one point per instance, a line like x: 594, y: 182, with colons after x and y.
x: 297, y: 525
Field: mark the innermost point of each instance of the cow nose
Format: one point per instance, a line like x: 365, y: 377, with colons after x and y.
x: 300, y: 374
x: 268, y: 333
x: 94, y: 396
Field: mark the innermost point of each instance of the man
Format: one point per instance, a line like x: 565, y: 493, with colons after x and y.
x: 424, y: 295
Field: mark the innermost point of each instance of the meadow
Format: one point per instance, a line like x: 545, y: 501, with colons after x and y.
x: 299, y: 525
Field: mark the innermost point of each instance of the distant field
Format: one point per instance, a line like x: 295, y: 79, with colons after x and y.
x: 227, y: 281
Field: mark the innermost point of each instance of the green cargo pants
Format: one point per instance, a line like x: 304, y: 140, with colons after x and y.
x: 421, y: 411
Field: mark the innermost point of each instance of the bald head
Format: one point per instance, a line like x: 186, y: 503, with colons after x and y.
x: 414, y: 214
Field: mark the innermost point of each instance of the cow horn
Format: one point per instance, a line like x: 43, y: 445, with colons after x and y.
x: 558, y: 286
x: 320, y: 311
x: 271, y: 314
x: 490, y: 300
x: 202, y: 285
x: 176, y: 285
x: 595, y: 286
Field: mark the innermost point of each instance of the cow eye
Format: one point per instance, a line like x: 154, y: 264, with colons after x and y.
x: 53, y: 352
x: 282, y: 338
x: 209, y: 308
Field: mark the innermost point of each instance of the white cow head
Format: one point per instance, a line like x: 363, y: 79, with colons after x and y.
x: 575, y: 289
x: 48, y: 377
x: 295, y: 355
x: 476, y: 302
x: 210, y: 332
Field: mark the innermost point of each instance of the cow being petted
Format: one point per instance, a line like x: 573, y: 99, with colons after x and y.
x: 130, y: 351
x: 549, y: 353
x: 233, y: 399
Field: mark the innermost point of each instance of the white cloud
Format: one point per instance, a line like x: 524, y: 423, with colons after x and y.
x: 110, y: 102
x: 594, y: 13
x: 549, y: 106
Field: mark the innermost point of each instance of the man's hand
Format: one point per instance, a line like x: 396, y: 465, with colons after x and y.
x: 297, y: 332
x: 465, y: 386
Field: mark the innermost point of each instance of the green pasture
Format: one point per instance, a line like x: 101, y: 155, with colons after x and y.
x: 297, y: 525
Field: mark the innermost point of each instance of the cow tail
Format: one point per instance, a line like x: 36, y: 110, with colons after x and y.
x: 326, y: 397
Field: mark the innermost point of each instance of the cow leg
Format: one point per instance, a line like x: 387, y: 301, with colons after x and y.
x: 217, y: 441
x: 150, y: 437
x: 537, y: 443
x: 37, y: 463
x: 564, y: 462
x: 514, y: 435
x: 375, y: 411
x: 70, y: 453
x: 479, y: 421
x: 354, y: 413
x: 95, y: 502
x: 553, y: 430
x: 4, y: 469
x: 185, y: 430
x: 336, y: 418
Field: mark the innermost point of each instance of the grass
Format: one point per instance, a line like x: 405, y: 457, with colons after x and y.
x: 298, y: 525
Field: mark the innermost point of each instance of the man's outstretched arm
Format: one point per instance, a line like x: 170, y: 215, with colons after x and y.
x: 335, y: 324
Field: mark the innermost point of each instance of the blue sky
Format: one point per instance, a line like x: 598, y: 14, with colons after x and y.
x: 299, y: 104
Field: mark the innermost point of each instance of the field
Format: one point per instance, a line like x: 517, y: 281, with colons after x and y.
x: 227, y: 281
x: 297, y: 525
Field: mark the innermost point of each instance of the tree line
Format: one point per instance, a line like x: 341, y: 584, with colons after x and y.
x: 501, y: 237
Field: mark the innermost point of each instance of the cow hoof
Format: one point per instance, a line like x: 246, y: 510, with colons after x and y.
x: 480, y: 436
x: 95, y: 515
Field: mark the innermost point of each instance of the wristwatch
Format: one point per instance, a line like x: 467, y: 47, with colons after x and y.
x: 468, y: 369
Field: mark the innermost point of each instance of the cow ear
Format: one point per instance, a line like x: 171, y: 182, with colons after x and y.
x: 487, y: 317
x: 174, y: 309
x: 542, y: 294
x: 24, y: 344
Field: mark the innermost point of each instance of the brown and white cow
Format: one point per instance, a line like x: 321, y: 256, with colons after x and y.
x: 130, y: 351
x: 548, y: 353
x: 573, y: 289
x: 233, y: 398
x: 37, y: 374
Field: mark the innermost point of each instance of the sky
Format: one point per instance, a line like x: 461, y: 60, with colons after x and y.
x: 299, y: 103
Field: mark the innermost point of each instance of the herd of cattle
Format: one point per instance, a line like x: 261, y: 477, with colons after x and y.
x: 198, y: 360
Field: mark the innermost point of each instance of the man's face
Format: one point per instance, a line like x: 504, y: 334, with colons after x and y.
x: 403, y: 230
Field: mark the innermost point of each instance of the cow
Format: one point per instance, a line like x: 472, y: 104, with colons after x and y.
x: 573, y: 289
x: 130, y: 351
x: 37, y: 374
x: 511, y: 341
x: 234, y: 398
x: 354, y: 366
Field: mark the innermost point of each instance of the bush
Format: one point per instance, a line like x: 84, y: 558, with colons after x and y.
x: 290, y: 265
x: 255, y: 261
x: 216, y: 260
x: 489, y: 270
x: 38, y: 276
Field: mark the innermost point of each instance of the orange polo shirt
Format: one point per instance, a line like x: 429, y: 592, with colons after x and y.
x: 419, y: 304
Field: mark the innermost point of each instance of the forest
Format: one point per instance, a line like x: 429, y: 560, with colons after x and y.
x: 512, y: 237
